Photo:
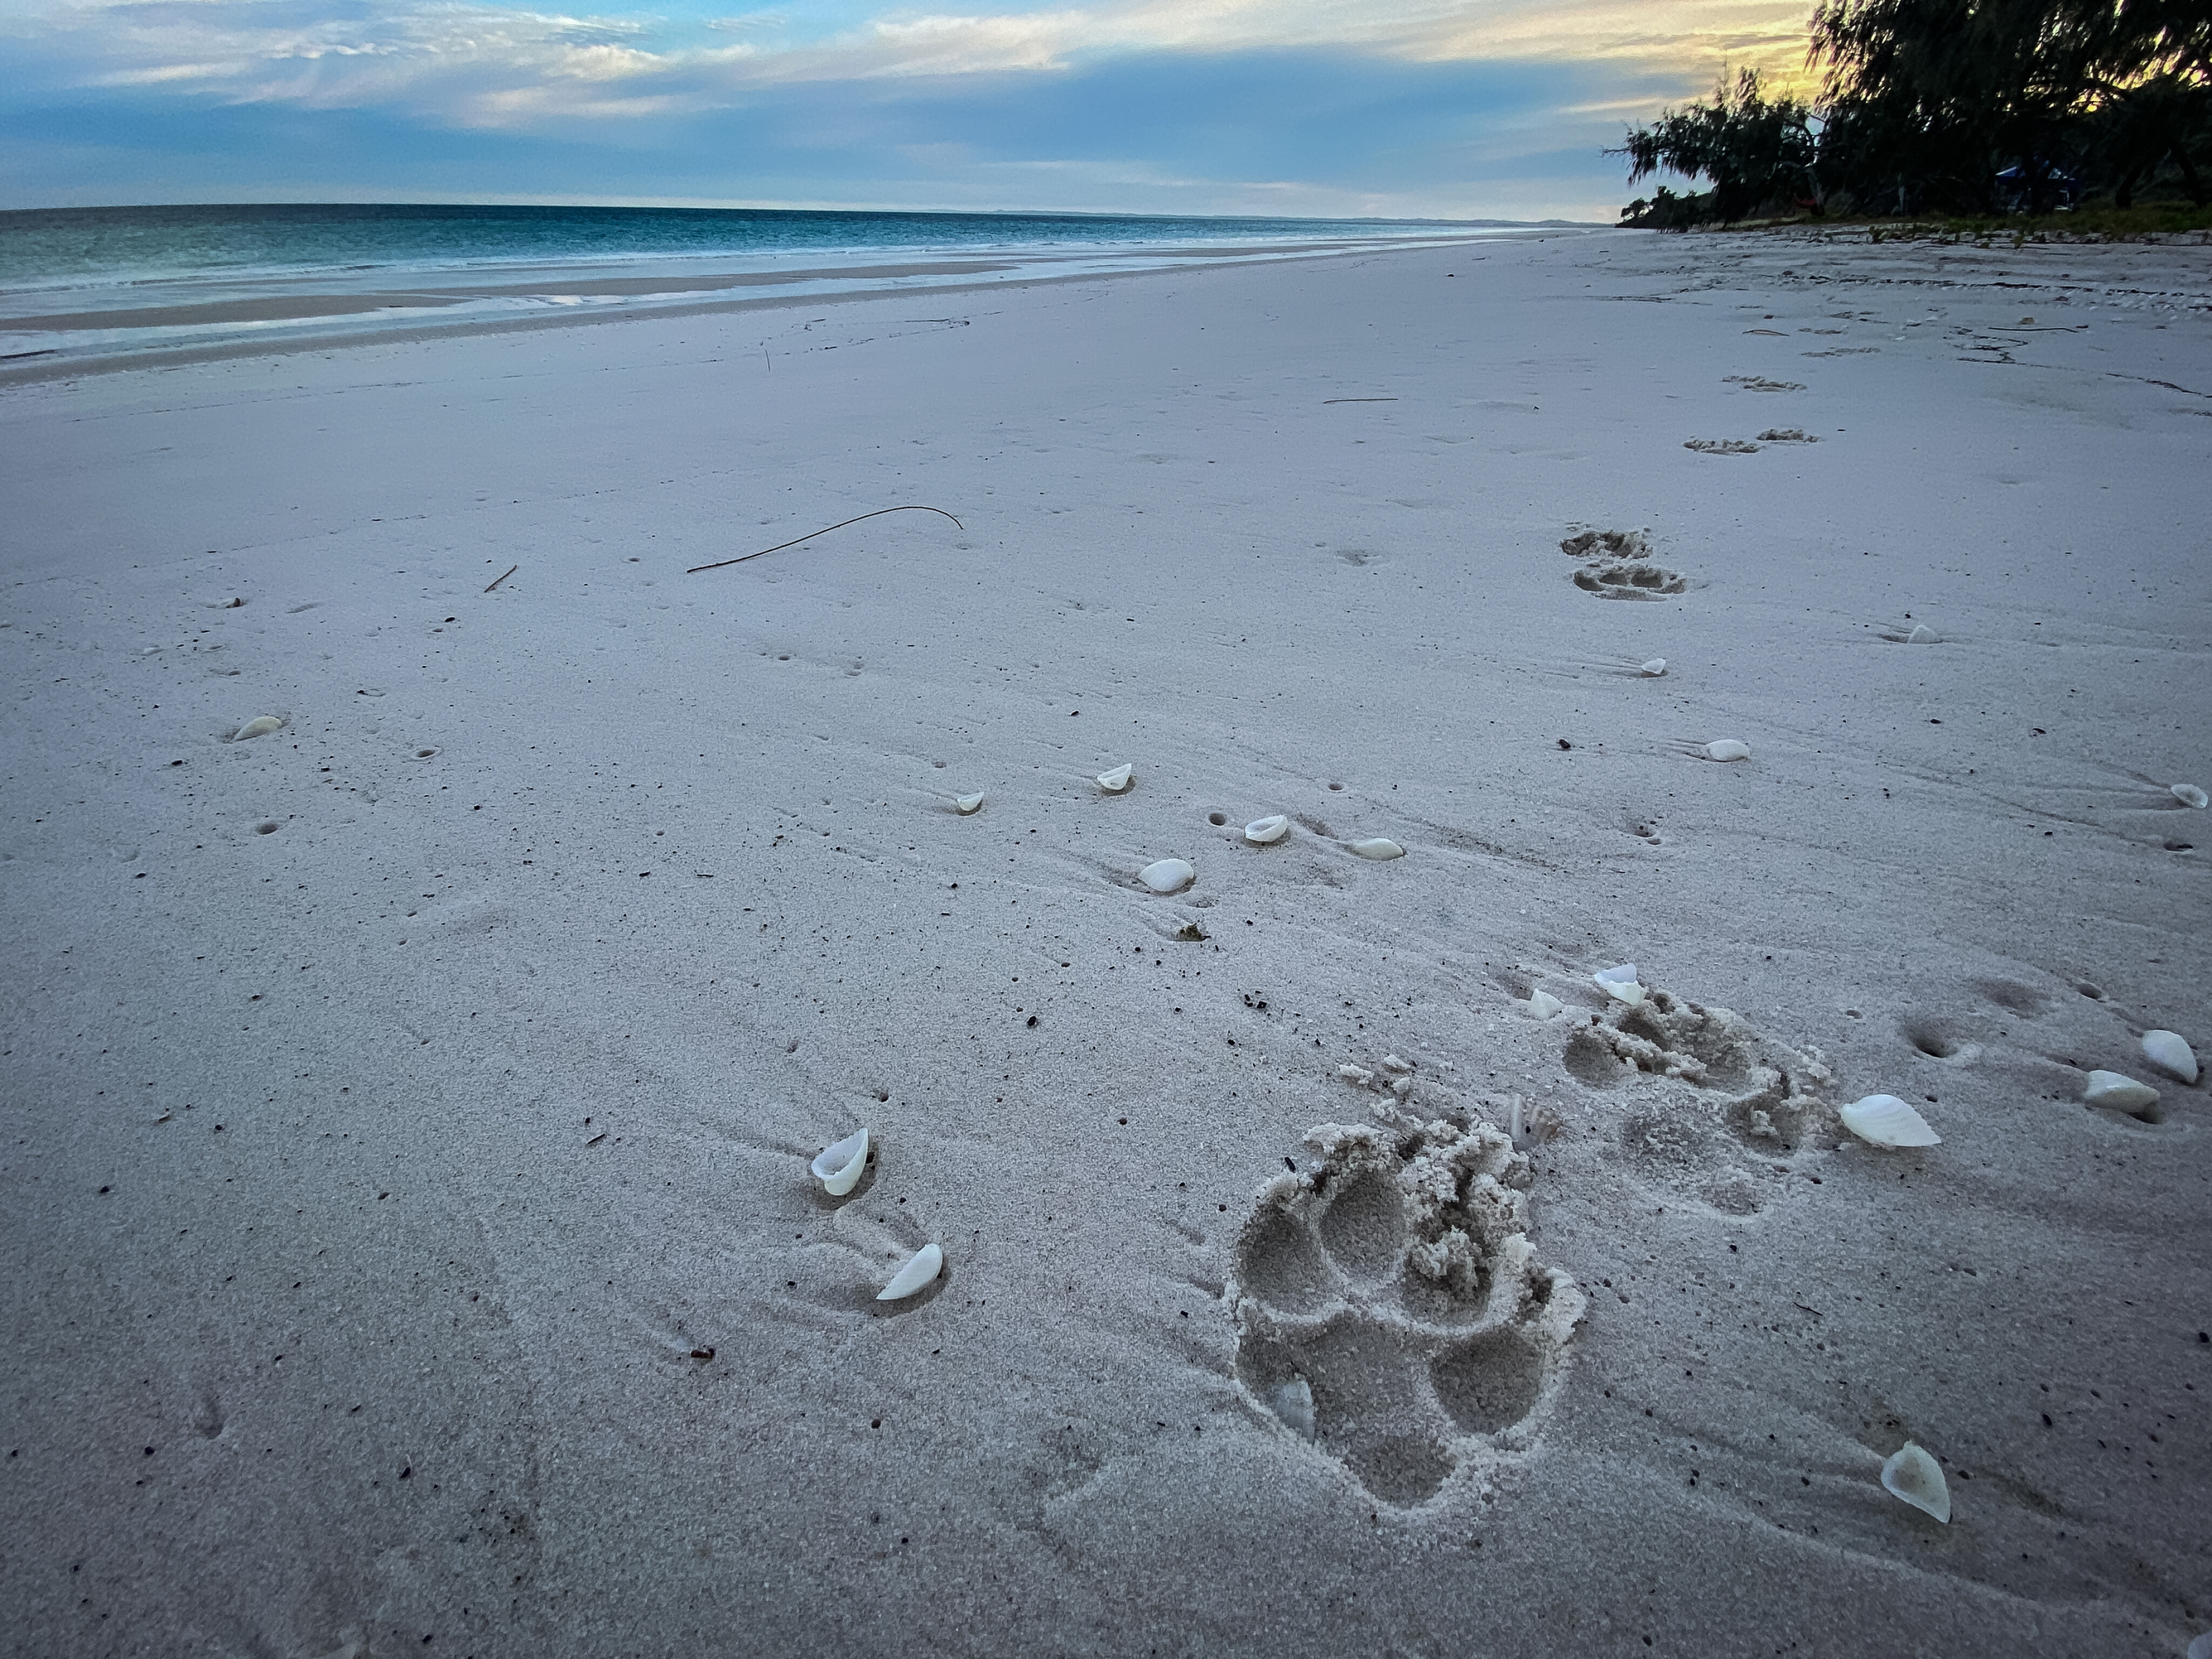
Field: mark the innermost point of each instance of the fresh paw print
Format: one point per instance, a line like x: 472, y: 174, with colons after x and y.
x: 1720, y: 1111
x: 1390, y: 1309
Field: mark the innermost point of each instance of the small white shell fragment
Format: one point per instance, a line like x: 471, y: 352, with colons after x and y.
x: 2119, y: 1091
x: 2202, y: 1647
x: 1120, y: 778
x: 2170, y: 1052
x: 1392, y: 1063
x: 1261, y: 831
x: 838, y: 1165
x: 1543, y: 1005
x: 1914, y: 1476
x: 964, y: 805
x: 1167, y: 875
x: 1359, y: 1076
x: 1922, y: 634
x: 1886, y: 1120
x: 1620, y: 983
x: 260, y: 726
x: 1378, y: 847
x: 1292, y: 1401
x: 918, y: 1271
x: 1654, y: 668
x: 1401, y: 1086
x: 1728, y: 749
x: 2190, y: 795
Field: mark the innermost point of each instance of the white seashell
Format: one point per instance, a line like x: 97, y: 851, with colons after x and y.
x: 917, y: 1272
x: 1260, y: 831
x: 1922, y: 634
x: 1167, y: 875
x: 1914, y: 1476
x: 1728, y: 749
x: 1656, y: 667
x: 2190, y: 795
x: 2168, y: 1052
x: 1359, y: 1076
x: 2119, y: 1091
x: 1378, y: 847
x: 1619, y: 982
x: 1886, y: 1120
x: 260, y: 726
x: 964, y: 805
x: 838, y: 1166
x: 1116, y: 781
x: 1392, y: 1063
x: 1544, y: 1005
x: 2202, y: 1647
x: 1293, y: 1402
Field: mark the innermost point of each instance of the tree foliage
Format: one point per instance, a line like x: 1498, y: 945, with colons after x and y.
x: 1958, y: 106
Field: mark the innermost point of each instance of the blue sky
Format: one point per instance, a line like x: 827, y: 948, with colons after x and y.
x: 1450, y: 108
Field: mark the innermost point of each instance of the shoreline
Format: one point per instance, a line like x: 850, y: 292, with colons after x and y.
x: 567, y: 295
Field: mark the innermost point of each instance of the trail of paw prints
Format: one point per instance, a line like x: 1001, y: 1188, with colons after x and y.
x: 1617, y: 565
x: 1390, y: 1309
x: 1717, y: 1112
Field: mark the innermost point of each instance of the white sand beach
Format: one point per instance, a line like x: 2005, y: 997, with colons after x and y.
x: 407, y: 1110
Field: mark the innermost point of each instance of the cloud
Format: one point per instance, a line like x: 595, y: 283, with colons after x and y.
x: 480, y: 65
x: 1266, y: 106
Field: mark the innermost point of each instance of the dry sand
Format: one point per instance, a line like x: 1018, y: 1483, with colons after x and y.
x: 395, y: 1102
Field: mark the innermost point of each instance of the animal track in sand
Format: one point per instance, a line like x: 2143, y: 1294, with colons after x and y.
x: 1761, y: 383
x: 1721, y: 446
x: 1638, y: 580
x: 1390, y: 1309
x: 1617, y: 565
x: 1607, y: 544
x: 1787, y: 435
x: 1719, y: 1111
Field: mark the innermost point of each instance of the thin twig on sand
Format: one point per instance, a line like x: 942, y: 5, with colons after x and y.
x: 502, y: 577
x: 825, y: 530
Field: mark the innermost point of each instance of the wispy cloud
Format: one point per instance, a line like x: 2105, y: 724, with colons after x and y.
x: 1171, y: 105
x: 476, y: 63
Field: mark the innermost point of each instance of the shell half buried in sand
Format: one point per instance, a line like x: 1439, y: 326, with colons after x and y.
x: 1914, y: 1476
x: 1886, y: 1120
x: 2170, y: 1052
x: 1261, y: 831
x: 965, y: 805
x: 1728, y: 749
x: 1620, y: 983
x: 2187, y: 793
x: 1168, y: 875
x: 1653, y: 669
x: 2119, y: 1091
x: 1542, y: 1004
x: 260, y: 726
x: 922, y: 1267
x: 838, y: 1165
x: 1120, y: 778
x: 1378, y: 847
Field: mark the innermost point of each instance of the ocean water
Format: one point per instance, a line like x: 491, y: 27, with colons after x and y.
x: 83, y: 282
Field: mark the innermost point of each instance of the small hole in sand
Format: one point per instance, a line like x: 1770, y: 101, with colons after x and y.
x: 1217, y: 817
x: 265, y: 829
x: 1336, y: 786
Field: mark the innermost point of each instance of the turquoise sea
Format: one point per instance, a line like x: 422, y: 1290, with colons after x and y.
x: 97, y: 281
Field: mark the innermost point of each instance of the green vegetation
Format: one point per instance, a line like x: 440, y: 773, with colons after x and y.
x: 1958, y: 111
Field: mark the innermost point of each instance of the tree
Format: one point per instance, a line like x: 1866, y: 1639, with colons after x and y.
x: 1967, y: 106
x: 1756, y: 151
